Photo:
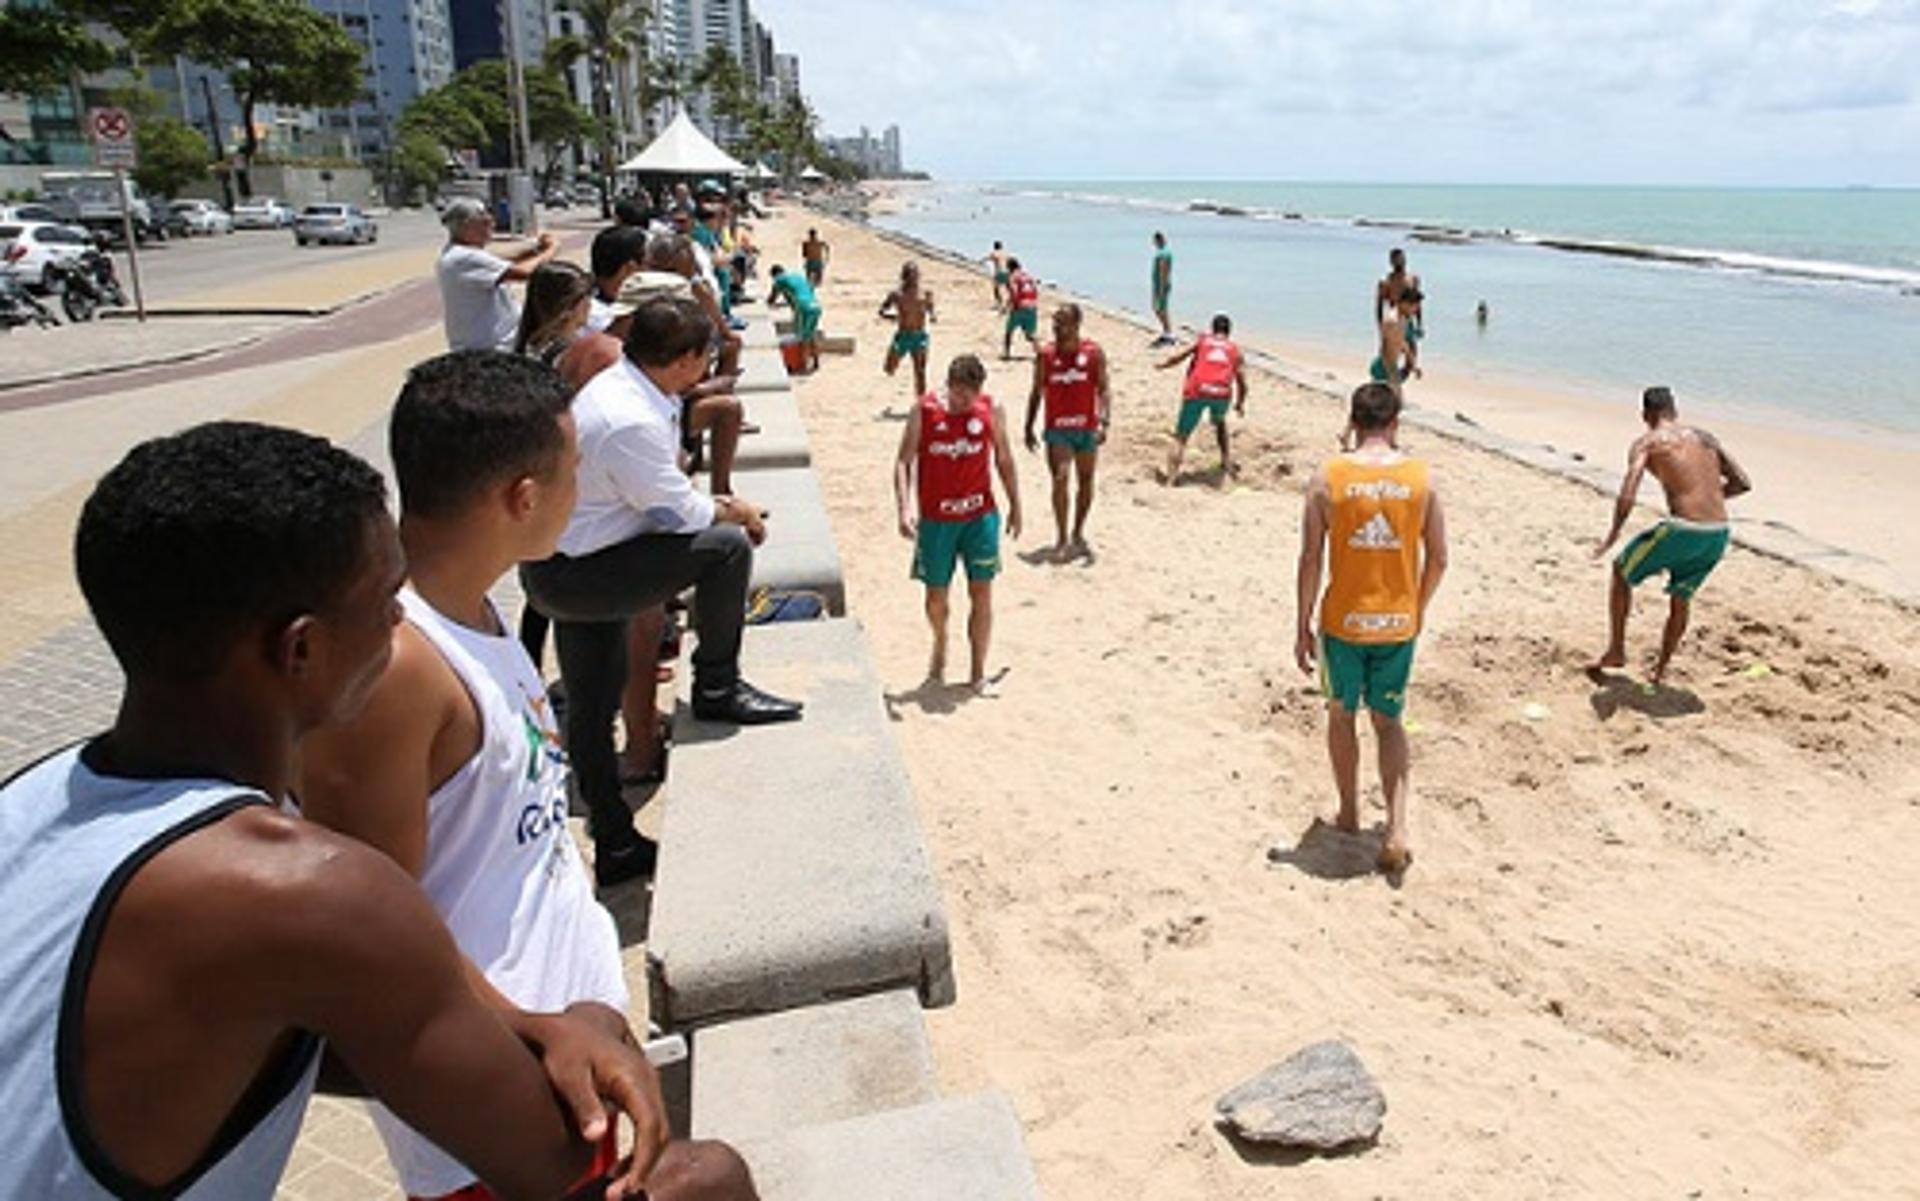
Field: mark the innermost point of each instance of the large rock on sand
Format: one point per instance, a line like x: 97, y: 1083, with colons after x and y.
x: 1321, y: 1097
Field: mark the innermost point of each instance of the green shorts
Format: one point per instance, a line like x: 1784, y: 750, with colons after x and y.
x: 907, y: 341
x: 941, y: 544
x: 1160, y: 298
x: 1080, y: 442
x: 1373, y: 672
x: 806, y: 323
x: 1191, y: 412
x: 1377, y: 371
x: 1687, y: 551
x: 1001, y: 278
x: 1027, y: 320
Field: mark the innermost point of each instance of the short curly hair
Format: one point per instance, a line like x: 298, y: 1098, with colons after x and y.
x: 469, y: 419
x: 195, y: 537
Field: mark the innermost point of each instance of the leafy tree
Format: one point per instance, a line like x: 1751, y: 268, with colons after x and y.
x: 471, y: 112
x: 42, y: 48
x: 729, y: 93
x: 172, y: 155
x: 417, y: 161
x: 613, y: 32
x: 273, y: 51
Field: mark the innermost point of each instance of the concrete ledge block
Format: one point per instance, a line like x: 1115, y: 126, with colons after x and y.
x: 805, y: 1067
x: 799, y: 551
x: 793, y: 870
x: 838, y: 344
x: 762, y: 370
x: 782, y: 440
x: 960, y: 1149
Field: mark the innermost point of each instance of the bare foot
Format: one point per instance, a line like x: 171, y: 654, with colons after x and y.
x: 1060, y: 551
x: 1347, y: 823
x: 1078, y: 548
x: 1394, y: 860
x: 937, y: 666
x: 1615, y: 656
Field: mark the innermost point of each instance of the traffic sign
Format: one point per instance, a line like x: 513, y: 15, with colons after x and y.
x: 112, y: 132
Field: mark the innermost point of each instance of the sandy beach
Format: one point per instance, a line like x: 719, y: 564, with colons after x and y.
x: 1653, y: 946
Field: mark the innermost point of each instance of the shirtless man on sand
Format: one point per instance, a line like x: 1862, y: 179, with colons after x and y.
x: 911, y: 307
x: 813, y: 252
x: 1699, y: 476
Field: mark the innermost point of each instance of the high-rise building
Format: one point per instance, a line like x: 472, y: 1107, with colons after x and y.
x: 876, y: 156
x: 409, y: 48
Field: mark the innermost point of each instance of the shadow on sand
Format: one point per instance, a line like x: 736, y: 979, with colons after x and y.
x: 1615, y: 692
x: 1275, y: 1156
x: 1326, y: 852
x: 938, y: 698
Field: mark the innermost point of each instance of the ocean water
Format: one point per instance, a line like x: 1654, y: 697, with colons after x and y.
x: 1794, y: 304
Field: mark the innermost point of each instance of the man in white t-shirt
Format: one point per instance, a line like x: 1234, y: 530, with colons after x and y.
x: 480, y: 314
x: 454, y: 769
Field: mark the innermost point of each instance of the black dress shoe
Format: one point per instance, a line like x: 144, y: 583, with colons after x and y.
x: 743, y: 705
x: 617, y: 863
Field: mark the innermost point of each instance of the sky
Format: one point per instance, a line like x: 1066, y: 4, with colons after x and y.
x: 1738, y: 92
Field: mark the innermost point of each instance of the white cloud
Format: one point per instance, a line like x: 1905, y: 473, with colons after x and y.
x: 1681, y: 90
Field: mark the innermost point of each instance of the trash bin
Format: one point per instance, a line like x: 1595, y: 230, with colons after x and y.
x: 794, y: 355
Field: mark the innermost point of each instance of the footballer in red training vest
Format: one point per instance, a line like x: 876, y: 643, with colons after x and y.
x: 954, y: 444
x: 1070, y: 377
x: 1216, y: 375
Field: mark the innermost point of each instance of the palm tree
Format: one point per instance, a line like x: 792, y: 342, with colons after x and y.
x: 729, y: 97
x: 611, y: 31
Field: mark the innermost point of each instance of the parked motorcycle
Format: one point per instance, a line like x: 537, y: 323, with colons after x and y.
x: 19, y: 306
x: 85, y: 283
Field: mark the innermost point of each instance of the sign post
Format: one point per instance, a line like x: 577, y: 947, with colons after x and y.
x: 113, y: 146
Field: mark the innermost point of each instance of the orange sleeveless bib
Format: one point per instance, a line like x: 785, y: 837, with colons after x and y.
x: 1377, y: 517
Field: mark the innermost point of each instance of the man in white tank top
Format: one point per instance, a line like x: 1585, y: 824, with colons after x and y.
x: 454, y: 767
x: 174, y: 948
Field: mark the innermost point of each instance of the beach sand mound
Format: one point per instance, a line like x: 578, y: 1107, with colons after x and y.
x: 1656, y: 943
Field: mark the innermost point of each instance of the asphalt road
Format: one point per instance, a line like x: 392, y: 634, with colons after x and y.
x: 181, y: 267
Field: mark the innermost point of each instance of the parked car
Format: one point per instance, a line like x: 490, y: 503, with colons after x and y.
x: 59, y: 214
x: 28, y: 248
x: 202, y: 216
x: 261, y: 212
x: 334, y: 223
x: 557, y: 199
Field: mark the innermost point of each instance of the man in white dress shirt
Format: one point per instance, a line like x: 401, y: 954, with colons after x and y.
x: 640, y: 534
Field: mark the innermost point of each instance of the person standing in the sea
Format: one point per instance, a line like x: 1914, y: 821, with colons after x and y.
x: 1386, y: 296
x: 1162, y: 288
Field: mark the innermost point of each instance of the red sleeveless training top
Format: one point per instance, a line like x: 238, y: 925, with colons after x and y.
x: 1073, y: 387
x: 956, y: 459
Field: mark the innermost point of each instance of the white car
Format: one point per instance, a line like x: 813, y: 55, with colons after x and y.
x: 202, y: 217
x: 334, y: 223
x: 261, y: 212
x: 11, y: 213
x: 27, y: 247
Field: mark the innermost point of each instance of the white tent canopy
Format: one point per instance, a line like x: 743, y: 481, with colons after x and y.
x: 813, y: 173
x: 761, y: 171
x: 681, y: 149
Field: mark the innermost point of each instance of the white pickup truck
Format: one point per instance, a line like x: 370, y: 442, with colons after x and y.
x: 91, y: 193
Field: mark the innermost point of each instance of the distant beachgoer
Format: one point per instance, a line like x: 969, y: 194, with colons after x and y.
x: 1399, y: 357
x: 1386, y: 294
x: 1023, y: 308
x: 943, y: 486
x: 814, y: 253
x: 1480, y: 314
x: 1070, y: 375
x: 1377, y: 511
x: 911, y: 306
x: 794, y: 290
x: 1699, y: 476
x: 1162, y: 288
x: 998, y: 257
x: 1216, y: 373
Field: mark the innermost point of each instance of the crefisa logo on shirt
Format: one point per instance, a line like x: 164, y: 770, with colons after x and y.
x: 537, y: 821
x: 959, y: 448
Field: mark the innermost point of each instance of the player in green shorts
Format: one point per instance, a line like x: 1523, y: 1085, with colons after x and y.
x: 1699, y: 476
x: 1162, y: 289
x: 911, y: 307
x: 1023, y: 308
x: 796, y: 291
x: 954, y: 444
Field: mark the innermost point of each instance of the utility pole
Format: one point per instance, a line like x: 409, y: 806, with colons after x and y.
x: 520, y: 154
x: 219, y: 152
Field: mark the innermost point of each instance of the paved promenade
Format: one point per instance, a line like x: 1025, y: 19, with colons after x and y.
x: 334, y: 375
